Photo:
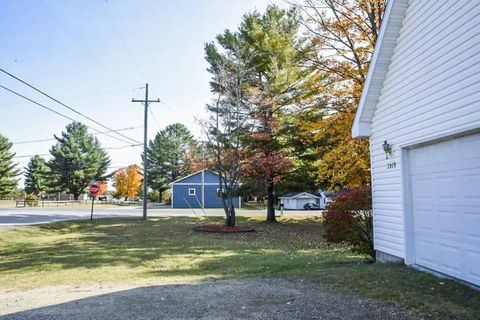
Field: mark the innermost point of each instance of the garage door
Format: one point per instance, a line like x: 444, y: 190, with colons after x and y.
x: 445, y: 181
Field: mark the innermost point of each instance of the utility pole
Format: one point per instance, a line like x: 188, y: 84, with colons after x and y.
x: 145, y: 123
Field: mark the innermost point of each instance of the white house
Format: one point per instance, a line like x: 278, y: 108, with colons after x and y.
x: 297, y: 200
x: 420, y: 108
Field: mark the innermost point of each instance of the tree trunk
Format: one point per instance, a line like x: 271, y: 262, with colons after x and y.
x: 160, y: 194
x: 75, y: 196
x: 270, y: 203
x: 230, y: 221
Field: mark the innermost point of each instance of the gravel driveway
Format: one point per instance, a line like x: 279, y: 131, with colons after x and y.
x: 226, y: 299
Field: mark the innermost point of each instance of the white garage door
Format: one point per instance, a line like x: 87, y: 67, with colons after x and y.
x: 445, y: 180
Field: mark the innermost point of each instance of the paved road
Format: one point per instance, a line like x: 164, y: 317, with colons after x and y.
x: 13, y: 217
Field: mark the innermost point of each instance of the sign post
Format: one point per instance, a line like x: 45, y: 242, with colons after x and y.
x: 93, y: 192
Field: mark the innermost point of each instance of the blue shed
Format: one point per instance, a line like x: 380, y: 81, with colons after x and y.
x: 198, y: 190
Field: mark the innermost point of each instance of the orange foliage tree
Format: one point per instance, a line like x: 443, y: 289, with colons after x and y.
x: 128, y: 181
x: 102, y: 188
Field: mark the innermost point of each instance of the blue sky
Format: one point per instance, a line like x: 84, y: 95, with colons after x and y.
x: 95, y: 55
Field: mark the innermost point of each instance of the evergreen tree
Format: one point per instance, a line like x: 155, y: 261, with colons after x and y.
x: 275, y: 85
x: 8, y: 172
x: 169, y: 156
x: 36, y: 176
x: 78, y: 159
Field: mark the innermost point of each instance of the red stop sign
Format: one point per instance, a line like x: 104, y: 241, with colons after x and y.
x: 94, y: 189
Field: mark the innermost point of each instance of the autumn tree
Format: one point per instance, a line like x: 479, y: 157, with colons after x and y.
x: 77, y: 160
x: 37, y: 176
x: 229, y: 117
x: 128, y: 181
x: 169, y: 156
x: 8, y: 170
x: 200, y: 157
x: 275, y: 88
x: 342, y: 34
x: 102, y: 188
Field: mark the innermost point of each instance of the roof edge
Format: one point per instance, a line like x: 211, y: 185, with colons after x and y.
x: 300, y: 193
x: 391, y: 25
x: 191, y: 175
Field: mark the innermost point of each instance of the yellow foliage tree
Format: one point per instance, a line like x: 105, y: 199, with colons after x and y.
x: 343, y: 34
x: 128, y: 181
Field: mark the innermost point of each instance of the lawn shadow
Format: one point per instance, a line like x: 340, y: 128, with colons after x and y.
x: 218, y: 300
x: 133, y: 242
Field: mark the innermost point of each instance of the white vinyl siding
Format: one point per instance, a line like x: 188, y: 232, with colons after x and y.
x: 431, y: 90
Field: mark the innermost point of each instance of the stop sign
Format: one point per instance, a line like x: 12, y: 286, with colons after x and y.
x: 94, y: 189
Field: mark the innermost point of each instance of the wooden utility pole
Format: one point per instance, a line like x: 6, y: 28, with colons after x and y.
x: 145, y: 123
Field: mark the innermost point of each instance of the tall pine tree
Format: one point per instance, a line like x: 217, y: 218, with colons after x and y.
x: 274, y: 87
x: 8, y: 172
x: 36, y: 176
x: 169, y: 156
x: 78, y: 159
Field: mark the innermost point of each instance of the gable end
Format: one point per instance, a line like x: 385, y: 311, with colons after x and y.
x: 377, y: 71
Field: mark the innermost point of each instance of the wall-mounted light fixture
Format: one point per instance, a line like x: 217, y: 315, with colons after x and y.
x: 387, y: 147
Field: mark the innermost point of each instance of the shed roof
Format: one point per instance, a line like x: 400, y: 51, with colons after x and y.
x: 293, y: 195
x: 391, y: 24
x: 196, y: 173
x: 193, y: 174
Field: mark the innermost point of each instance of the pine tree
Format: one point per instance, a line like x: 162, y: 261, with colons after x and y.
x: 169, y: 156
x: 78, y: 159
x: 36, y: 176
x: 8, y: 172
x: 277, y: 75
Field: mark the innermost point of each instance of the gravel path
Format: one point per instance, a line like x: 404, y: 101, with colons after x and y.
x: 229, y: 299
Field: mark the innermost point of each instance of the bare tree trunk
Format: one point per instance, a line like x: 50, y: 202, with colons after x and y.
x: 75, y: 196
x: 270, y: 203
x: 230, y: 221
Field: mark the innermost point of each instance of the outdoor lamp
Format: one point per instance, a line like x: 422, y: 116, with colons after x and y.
x: 387, y: 148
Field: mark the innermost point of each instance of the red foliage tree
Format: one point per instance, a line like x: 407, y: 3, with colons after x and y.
x: 264, y: 158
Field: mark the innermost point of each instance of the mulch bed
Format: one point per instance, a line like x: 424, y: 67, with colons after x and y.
x: 223, y: 229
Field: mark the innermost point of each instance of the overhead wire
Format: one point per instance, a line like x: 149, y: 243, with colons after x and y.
x: 65, y: 105
x: 58, y: 113
x: 53, y: 139
x: 105, y: 148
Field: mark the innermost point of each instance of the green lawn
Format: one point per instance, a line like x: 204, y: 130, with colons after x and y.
x: 166, y: 250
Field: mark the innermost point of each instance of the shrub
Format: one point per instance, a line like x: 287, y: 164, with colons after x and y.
x: 349, y: 218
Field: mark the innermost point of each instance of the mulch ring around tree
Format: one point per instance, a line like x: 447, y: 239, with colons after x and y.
x: 222, y: 229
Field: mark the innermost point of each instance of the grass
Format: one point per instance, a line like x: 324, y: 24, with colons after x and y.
x: 253, y: 206
x: 166, y: 250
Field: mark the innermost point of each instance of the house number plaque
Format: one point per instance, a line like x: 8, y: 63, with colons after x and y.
x: 391, y: 165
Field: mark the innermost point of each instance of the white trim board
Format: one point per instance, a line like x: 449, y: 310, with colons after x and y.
x: 391, y: 24
x: 196, y: 184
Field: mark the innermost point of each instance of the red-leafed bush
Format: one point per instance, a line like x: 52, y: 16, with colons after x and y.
x: 349, y: 218
x: 337, y: 226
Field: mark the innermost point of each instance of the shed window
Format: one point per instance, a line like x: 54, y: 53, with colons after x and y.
x: 191, y: 191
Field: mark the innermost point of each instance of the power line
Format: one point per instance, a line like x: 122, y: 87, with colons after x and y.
x: 105, y: 148
x: 83, y: 47
x: 31, y: 155
x: 56, y: 112
x: 53, y: 139
x: 154, y: 118
x: 123, y: 147
x: 66, y: 106
x: 122, y: 41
